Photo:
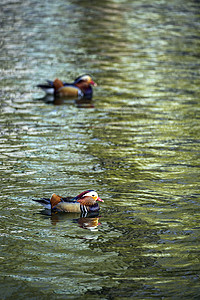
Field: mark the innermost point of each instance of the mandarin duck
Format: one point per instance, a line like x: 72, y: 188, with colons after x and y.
x: 86, y: 202
x: 81, y: 87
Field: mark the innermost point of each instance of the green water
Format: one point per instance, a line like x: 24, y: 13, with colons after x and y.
x: 136, y: 143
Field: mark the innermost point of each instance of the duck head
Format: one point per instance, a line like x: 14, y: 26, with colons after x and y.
x: 89, y: 193
x: 83, y: 82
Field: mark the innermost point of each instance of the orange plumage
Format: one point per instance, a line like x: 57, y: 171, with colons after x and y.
x: 87, y: 201
x: 57, y: 84
x: 55, y: 199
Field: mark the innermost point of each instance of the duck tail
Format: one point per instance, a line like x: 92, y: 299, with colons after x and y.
x: 44, y: 201
x: 48, y: 87
x: 57, y: 84
x: 49, y: 203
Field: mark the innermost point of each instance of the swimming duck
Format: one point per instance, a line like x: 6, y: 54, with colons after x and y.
x: 79, y: 88
x: 85, y: 202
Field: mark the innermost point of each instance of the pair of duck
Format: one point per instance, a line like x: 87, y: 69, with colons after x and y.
x: 87, y: 201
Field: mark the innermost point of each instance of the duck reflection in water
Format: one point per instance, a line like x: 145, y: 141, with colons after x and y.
x: 82, y: 102
x: 88, y: 221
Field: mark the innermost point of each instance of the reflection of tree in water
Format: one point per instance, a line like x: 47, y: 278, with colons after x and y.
x: 94, y: 40
x: 132, y: 257
x: 101, y: 33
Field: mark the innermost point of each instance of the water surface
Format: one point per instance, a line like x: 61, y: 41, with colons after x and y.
x: 136, y: 143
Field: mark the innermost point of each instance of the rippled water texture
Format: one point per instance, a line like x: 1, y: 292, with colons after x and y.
x: 136, y: 143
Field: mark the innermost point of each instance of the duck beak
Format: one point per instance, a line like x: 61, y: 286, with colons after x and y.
x: 99, y: 199
x: 93, y: 83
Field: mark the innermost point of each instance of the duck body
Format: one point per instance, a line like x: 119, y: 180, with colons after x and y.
x: 85, y: 202
x: 81, y: 87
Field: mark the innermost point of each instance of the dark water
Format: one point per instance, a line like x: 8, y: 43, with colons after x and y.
x: 136, y: 143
